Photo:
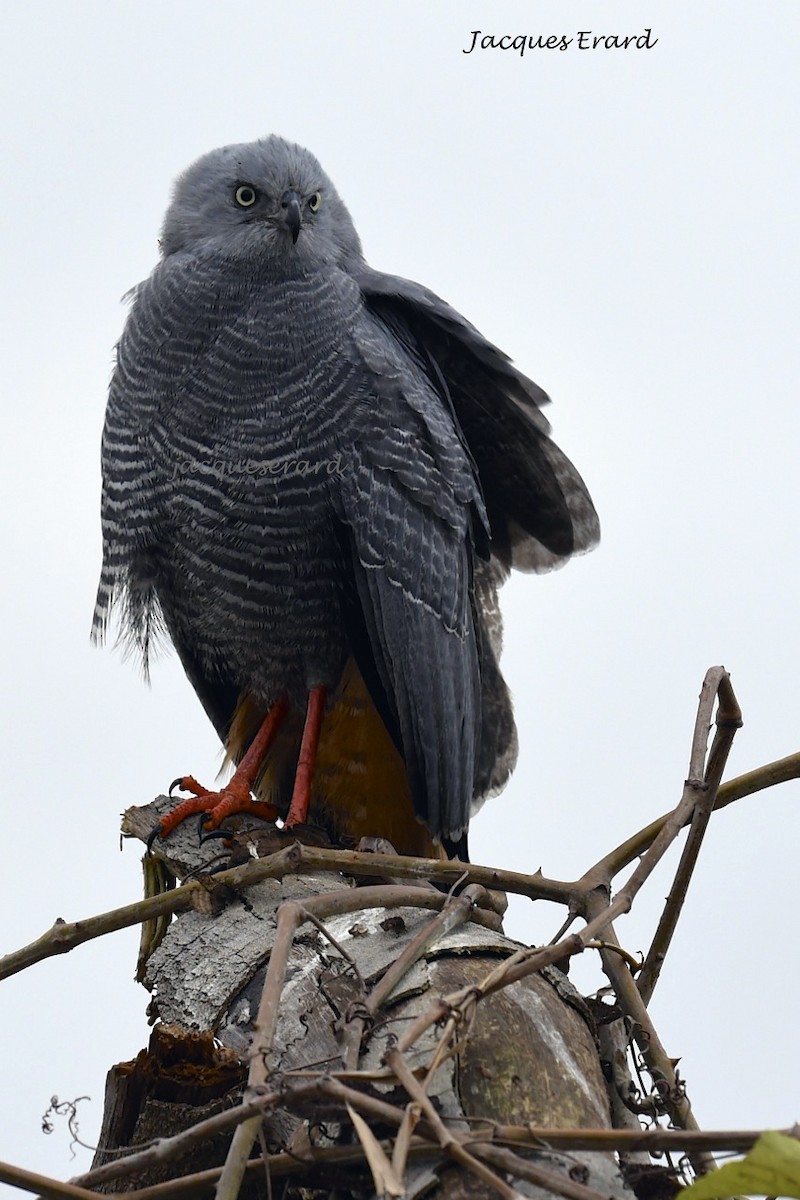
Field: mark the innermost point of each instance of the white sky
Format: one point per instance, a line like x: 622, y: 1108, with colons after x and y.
x: 625, y: 225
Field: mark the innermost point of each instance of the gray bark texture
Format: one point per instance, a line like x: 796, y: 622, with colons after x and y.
x: 528, y: 1055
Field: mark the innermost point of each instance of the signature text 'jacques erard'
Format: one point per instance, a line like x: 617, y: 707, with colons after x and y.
x: 584, y: 39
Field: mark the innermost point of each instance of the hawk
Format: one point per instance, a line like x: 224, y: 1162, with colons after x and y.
x: 315, y: 478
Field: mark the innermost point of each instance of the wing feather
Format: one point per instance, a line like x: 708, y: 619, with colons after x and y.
x: 540, y: 512
x: 409, y: 504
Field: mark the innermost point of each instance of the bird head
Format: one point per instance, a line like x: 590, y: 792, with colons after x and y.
x: 261, y: 200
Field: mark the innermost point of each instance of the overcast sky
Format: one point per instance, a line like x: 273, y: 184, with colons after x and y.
x: 624, y: 224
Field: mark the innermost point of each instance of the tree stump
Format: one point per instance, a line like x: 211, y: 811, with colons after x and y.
x: 525, y: 1055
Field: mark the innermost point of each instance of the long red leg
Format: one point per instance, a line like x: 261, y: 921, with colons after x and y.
x: 251, y: 762
x: 301, y: 793
x: 235, y: 796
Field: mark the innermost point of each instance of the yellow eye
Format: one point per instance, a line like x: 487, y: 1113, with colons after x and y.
x: 314, y: 202
x: 245, y: 195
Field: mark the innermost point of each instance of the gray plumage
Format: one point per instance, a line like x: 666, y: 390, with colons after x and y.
x: 306, y: 460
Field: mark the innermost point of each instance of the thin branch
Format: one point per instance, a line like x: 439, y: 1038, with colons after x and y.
x: 384, y: 1176
x: 456, y: 912
x: 64, y: 936
x: 359, y: 864
x: 695, y: 793
x: 167, y: 1149
x: 729, y: 719
x: 291, y: 915
x: 372, y: 1106
x: 463, y: 1157
x: 670, y: 1091
x: 42, y: 1185
x: 633, y: 962
x: 531, y: 1137
x: 680, y: 816
x: 782, y: 770
x: 324, y: 932
x: 599, y: 914
x: 444, y: 1050
x: 402, y: 1143
x: 449, y: 1143
x: 549, y: 1180
x: 588, y: 896
x: 458, y: 1003
x: 736, y: 1141
x: 317, y: 1159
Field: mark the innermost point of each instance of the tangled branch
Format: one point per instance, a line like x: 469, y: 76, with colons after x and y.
x: 493, y: 1153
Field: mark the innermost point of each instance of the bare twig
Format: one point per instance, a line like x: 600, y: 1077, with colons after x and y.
x: 456, y: 1004
x: 383, y: 1173
x: 449, y: 1143
x: 167, y: 1149
x: 64, y: 936
x: 588, y: 897
x: 531, y: 1137
x: 670, y: 1091
x: 599, y: 913
x: 782, y: 770
x: 550, y: 1181
x: 291, y: 915
x: 472, y: 1153
x: 455, y: 912
x: 324, y: 932
x: 43, y: 1185
x: 732, y: 1140
x: 698, y: 795
x: 716, y: 685
x: 633, y: 962
x: 402, y: 1143
x: 371, y: 1106
x: 296, y: 1094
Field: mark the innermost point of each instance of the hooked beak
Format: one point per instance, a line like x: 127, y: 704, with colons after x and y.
x: 292, y: 216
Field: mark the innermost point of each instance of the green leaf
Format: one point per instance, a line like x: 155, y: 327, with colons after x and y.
x: 772, y: 1168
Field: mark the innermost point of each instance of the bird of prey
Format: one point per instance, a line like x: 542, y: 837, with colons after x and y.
x: 315, y: 477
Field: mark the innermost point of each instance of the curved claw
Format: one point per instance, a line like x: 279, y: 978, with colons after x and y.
x: 176, y: 783
x: 208, y: 835
x: 151, y: 837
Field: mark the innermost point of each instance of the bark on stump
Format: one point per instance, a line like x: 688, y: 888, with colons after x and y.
x: 530, y: 1055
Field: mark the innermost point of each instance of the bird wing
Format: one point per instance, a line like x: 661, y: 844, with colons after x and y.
x: 539, y: 509
x: 410, y: 510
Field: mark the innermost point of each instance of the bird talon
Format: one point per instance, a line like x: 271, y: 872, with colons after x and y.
x: 176, y: 783
x: 208, y: 835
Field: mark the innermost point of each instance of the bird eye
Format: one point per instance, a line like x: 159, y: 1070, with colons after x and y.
x: 245, y: 195
x: 314, y: 202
